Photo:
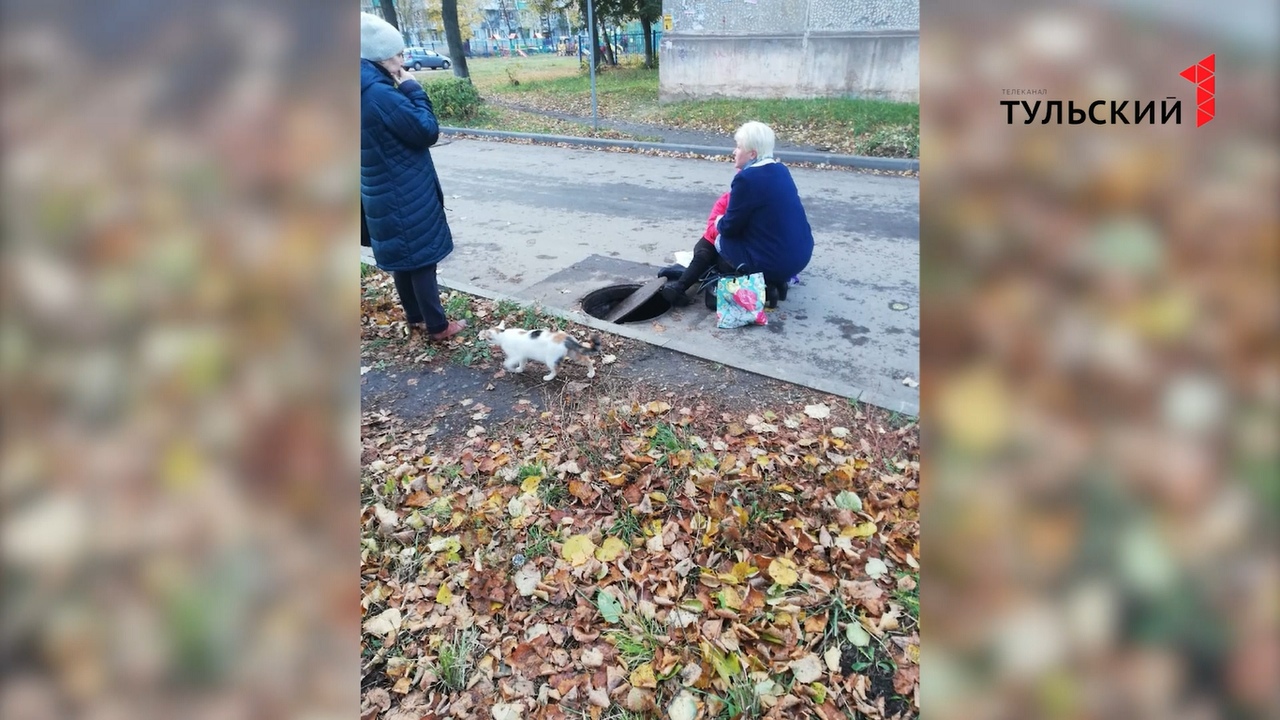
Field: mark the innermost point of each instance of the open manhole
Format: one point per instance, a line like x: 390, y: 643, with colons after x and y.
x: 599, y: 303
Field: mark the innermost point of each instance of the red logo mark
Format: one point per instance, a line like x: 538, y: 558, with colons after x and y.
x: 1202, y: 75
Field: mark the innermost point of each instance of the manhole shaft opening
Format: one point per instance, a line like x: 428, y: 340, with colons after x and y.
x: 598, y: 303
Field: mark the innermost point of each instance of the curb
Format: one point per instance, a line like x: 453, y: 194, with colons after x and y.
x: 853, y: 161
x: 581, y: 318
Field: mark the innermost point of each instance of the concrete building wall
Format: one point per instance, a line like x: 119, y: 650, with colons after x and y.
x: 791, y: 48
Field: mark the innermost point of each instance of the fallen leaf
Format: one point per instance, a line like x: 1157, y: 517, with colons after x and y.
x: 444, y: 596
x: 577, y: 550
x: 608, y: 359
x: 642, y: 677
x: 384, y: 623
x: 378, y: 698
x: 849, y: 501
x: 609, y: 607
x: 832, y: 658
x: 592, y: 658
x: 531, y: 483
x: 806, y: 669
x: 856, y: 634
x: 905, y: 679
x: 610, y: 549
x: 508, y: 711
x: 527, y: 579
x: 839, y: 432
x: 876, y: 567
x: 726, y: 664
x: 817, y: 412
x: 598, y: 697
x: 783, y: 571
x: 866, y: 529
x: 911, y: 383
x: 681, y: 618
x: 683, y: 707
x: 388, y: 518
x: 657, y: 407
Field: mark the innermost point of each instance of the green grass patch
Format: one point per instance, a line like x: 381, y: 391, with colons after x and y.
x: 910, y: 599
x: 626, y: 528
x: 531, y: 470
x: 666, y: 439
x: 740, y: 700
x: 500, y: 118
x: 539, y: 542
x: 553, y: 492
x: 847, y: 125
x: 454, y: 661
x: 637, y: 640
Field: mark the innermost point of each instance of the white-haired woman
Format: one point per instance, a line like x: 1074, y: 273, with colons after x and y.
x: 763, y: 230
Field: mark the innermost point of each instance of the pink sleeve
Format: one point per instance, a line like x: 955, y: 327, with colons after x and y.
x: 716, y: 210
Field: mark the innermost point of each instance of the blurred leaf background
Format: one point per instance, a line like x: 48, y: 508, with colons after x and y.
x: 1100, y: 366
x: 178, y: 358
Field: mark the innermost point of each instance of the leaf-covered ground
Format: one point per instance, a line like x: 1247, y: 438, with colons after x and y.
x: 669, y: 539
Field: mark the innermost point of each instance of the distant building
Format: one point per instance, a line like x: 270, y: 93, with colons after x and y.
x: 790, y: 48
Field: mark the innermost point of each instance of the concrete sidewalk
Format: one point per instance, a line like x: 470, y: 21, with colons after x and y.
x: 549, y: 224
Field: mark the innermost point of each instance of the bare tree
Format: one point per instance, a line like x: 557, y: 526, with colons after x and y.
x: 453, y: 36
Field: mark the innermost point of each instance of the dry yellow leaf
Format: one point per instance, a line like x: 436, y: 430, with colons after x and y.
x: 783, y: 571
x: 530, y: 483
x: 610, y: 549
x: 445, y: 595
x: 642, y: 677
x: 577, y: 549
x: 866, y: 529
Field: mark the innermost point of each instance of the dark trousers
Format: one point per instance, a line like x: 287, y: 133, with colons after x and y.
x: 705, y: 257
x: 420, y: 296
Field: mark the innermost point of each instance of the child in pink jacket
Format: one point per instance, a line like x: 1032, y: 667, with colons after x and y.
x: 716, y: 211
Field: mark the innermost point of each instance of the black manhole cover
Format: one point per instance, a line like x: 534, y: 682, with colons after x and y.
x: 598, y: 303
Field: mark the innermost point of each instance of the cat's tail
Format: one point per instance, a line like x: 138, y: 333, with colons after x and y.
x: 588, y: 347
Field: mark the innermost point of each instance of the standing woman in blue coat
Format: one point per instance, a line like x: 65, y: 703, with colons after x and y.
x: 401, y: 196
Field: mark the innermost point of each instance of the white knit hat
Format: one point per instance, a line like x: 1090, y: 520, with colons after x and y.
x: 378, y: 39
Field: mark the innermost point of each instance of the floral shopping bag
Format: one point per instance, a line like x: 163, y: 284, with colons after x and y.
x: 740, y: 301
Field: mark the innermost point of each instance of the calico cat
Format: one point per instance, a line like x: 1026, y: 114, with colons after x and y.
x: 545, y: 346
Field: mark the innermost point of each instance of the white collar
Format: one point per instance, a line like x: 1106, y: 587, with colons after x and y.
x: 763, y: 161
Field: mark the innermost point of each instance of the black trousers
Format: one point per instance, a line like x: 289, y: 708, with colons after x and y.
x: 420, y: 296
x: 705, y: 257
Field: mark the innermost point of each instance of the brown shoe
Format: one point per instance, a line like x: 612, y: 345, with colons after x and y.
x: 454, y: 328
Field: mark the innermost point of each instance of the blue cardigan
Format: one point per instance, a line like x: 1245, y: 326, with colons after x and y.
x: 765, y: 227
x: 403, y: 202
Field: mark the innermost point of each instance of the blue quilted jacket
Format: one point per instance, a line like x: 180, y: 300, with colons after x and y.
x: 403, y: 202
x: 765, y: 227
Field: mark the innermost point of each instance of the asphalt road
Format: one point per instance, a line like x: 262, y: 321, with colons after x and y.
x: 548, y: 224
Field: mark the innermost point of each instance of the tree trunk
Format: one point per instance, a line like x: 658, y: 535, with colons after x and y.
x: 607, y: 50
x: 453, y: 36
x: 389, y: 13
x: 647, y: 27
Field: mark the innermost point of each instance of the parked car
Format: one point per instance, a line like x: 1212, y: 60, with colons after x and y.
x: 417, y: 58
